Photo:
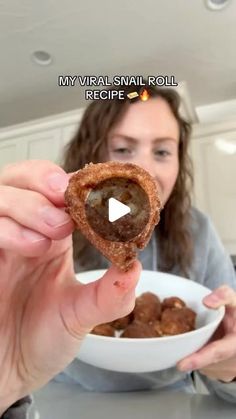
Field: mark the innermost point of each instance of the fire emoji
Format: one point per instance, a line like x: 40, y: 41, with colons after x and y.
x: 144, y: 95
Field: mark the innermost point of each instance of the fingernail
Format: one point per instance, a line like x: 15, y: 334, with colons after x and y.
x: 212, y: 298
x: 58, y: 182
x: 31, y: 236
x: 54, y: 217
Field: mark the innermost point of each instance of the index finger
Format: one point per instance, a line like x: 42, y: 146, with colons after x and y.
x: 42, y: 176
x: 212, y: 353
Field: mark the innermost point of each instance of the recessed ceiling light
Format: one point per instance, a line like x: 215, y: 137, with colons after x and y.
x: 42, y: 58
x: 216, y: 4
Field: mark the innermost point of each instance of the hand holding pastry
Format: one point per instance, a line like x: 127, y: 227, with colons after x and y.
x: 44, y: 309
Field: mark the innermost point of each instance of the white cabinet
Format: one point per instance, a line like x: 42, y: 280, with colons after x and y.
x: 44, y: 145
x: 38, y: 145
x: 11, y: 151
x: 42, y: 139
x: 214, y: 157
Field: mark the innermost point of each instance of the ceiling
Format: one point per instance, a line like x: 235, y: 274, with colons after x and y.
x: 152, y: 37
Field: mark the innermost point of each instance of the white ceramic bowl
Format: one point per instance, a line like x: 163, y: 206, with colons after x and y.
x: 153, y: 354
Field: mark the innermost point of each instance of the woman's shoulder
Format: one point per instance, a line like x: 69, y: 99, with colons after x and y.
x: 199, y: 220
x: 212, y: 265
x: 202, y: 227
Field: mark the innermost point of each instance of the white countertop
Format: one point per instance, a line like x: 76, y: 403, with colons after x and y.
x: 60, y: 401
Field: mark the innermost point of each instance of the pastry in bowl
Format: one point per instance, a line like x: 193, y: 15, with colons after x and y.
x: 145, y: 349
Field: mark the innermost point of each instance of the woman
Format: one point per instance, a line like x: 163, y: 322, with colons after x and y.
x: 36, y: 253
x: 153, y: 135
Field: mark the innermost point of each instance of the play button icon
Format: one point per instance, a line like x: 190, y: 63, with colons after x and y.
x: 116, y: 209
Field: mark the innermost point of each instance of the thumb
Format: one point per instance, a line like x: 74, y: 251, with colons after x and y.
x: 106, y: 299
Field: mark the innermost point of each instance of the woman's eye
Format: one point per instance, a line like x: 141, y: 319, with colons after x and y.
x: 122, y: 150
x: 162, y: 153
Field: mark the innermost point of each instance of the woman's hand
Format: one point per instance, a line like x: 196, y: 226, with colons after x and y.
x: 44, y: 312
x: 217, y: 360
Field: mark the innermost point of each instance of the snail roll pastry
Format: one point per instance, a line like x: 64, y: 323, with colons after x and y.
x: 95, y: 194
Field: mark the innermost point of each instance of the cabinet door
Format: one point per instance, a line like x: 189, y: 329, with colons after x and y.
x: 11, y: 151
x: 215, y: 182
x: 44, y: 145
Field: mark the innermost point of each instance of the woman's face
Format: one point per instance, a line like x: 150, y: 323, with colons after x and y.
x: 148, y: 135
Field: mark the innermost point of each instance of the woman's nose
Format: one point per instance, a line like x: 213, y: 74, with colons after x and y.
x: 147, y: 165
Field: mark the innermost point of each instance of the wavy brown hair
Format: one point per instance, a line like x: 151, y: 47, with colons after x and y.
x: 89, y: 144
